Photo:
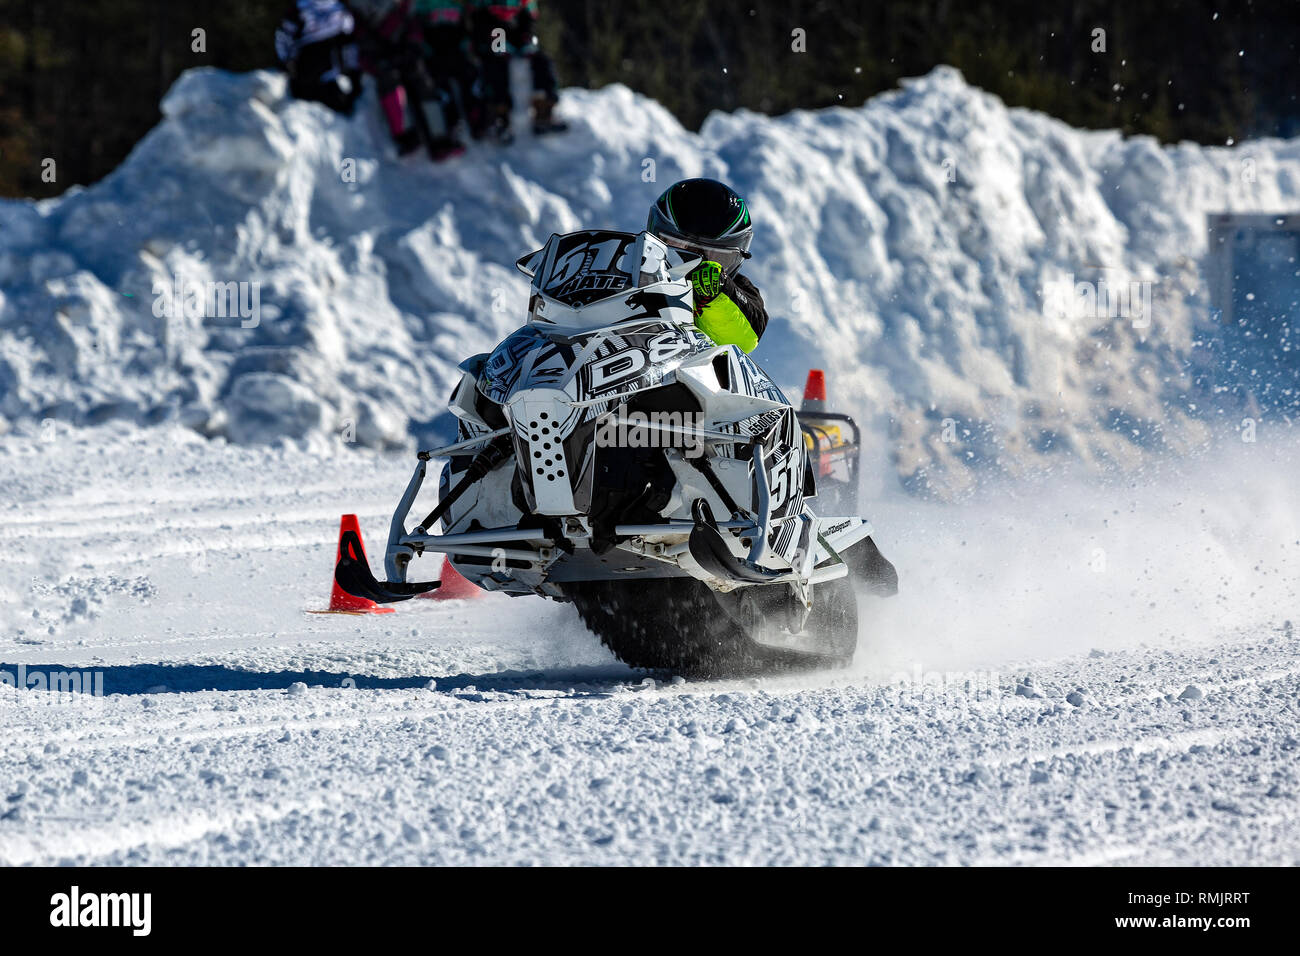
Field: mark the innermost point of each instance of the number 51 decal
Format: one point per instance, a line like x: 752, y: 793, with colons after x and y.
x: 786, y: 479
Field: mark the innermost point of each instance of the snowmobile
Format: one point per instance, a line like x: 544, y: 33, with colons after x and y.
x: 609, y: 454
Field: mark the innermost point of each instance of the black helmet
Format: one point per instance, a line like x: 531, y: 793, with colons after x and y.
x: 704, y: 216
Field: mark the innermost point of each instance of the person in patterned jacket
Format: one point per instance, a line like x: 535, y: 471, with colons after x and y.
x: 314, y: 42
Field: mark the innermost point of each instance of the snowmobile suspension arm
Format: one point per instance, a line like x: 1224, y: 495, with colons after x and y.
x: 465, y: 445
x: 703, y: 466
x: 764, y: 503
x: 494, y: 454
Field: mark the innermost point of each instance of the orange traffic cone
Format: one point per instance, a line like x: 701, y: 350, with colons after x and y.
x: 340, y: 600
x: 814, y: 392
x: 454, y: 586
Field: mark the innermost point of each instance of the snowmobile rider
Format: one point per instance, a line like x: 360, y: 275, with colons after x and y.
x: 708, y: 218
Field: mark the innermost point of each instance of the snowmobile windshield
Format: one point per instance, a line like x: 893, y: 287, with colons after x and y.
x: 592, y: 279
x: 583, y: 267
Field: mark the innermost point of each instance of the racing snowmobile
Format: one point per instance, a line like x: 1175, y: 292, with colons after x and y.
x: 609, y: 454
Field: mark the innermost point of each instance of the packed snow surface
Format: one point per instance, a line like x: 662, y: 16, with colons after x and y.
x: 1070, y: 675
x: 910, y: 246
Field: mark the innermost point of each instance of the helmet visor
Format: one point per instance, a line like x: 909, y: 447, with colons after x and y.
x: 730, y: 258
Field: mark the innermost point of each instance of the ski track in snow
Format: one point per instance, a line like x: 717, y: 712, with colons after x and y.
x: 231, y: 733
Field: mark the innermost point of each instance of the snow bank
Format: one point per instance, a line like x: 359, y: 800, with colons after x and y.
x: 908, y: 246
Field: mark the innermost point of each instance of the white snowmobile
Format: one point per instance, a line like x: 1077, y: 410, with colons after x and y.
x: 610, y: 454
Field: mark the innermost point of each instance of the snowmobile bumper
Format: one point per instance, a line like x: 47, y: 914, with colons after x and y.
x: 703, y: 548
x: 353, y: 574
x: 500, y: 543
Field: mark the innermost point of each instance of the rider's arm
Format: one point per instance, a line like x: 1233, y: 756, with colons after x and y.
x: 749, y: 300
x: 731, y: 310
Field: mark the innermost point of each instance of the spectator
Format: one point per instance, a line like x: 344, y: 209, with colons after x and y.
x: 314, y: 42
x: 385, y: 53
x: 502, y: 30
x: 450, y: 64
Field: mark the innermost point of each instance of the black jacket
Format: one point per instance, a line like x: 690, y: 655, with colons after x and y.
x: 748, y: 299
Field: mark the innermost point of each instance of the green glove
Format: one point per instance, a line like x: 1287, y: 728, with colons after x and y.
x: 707, y: 280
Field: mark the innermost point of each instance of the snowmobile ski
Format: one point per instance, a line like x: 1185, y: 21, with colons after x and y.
x: 709, y: 549
x: 353, y: 575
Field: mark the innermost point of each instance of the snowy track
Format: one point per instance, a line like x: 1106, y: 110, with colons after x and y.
x: 232, y: 732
